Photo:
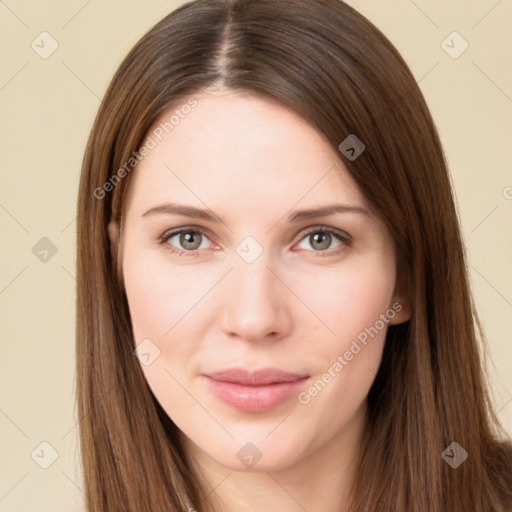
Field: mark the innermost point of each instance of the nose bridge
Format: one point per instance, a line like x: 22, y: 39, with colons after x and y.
x: 253, y: 278
x: 254, y: 303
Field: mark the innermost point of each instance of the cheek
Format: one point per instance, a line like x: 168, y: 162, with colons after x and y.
x: 162, y: 310
x: 354, y: 307
x: 349, y: 301
x: 159, y: 299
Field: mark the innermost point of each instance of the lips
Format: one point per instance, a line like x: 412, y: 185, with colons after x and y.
x: 254, y: 390
x: 255, y: 377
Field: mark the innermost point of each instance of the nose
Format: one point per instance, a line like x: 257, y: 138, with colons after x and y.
x: 255, y: 305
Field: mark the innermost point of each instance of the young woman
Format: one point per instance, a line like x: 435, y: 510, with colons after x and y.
x: 273, y: 310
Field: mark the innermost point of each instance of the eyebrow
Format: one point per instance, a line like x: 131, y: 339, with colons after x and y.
x: 296, y: 216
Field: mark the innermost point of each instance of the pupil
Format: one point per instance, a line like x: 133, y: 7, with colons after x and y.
x: 318, y: 239
x: 189, y: 240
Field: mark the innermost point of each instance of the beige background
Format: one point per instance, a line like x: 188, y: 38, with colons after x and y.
x: 47, y: 107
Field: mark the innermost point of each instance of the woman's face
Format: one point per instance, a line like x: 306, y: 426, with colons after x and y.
x: 255, y: 283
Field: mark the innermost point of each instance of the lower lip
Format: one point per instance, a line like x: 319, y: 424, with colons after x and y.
x: 254, y: 398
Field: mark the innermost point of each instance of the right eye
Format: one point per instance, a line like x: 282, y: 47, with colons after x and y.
x: 189, y: 241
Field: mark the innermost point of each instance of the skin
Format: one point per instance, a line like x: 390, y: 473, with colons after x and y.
x: 297, y: 307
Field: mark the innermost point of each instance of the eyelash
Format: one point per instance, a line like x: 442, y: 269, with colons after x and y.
x: 340, y: 235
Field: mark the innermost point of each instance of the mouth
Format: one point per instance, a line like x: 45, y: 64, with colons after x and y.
x: 254, y: 391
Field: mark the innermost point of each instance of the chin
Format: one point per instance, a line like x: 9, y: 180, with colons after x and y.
x: 259, y: 452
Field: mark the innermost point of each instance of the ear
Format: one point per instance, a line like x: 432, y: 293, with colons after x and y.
x: 400, y: 304
x: 113, y: 234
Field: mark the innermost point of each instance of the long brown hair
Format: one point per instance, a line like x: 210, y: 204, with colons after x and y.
x: 329, y: 64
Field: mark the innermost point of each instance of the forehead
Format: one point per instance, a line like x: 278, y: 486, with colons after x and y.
x: 241, y: 151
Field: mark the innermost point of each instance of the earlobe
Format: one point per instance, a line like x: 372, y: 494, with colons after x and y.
x: 402, y: 309
x: 401, y: 303
x: 113, y: 234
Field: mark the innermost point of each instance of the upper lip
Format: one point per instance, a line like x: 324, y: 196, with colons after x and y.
x: 257, y: 377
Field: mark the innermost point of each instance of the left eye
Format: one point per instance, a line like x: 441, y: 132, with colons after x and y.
x: 321, y: 240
